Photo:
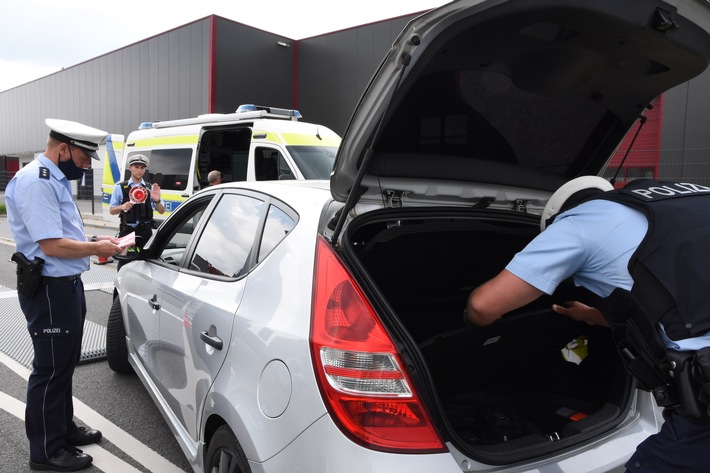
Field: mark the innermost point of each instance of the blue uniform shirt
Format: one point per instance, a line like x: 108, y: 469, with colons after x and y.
x: 593, y: 244
x: 117, y: 196
x: 40, y: 206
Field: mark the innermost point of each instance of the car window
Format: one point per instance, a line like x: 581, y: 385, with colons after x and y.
x: 226, y: 243
x: 278, y: 225
x: 173, y: 251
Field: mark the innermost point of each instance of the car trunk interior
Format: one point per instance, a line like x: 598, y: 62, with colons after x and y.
x: 506, y: 391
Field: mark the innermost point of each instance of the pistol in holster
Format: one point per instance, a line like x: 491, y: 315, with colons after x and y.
x: 677, y: 379
x: 29, y: 274
x: 644, y: 360
x: 691, y: 372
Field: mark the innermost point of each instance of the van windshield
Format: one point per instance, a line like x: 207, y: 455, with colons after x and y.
x: 314, y: 162
x: 170, y: 168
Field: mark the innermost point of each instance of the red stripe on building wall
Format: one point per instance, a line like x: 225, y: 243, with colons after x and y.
x: 211, y: 73
x: 295, y: 75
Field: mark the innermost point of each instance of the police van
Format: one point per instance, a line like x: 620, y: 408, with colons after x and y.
x: 255, y: 143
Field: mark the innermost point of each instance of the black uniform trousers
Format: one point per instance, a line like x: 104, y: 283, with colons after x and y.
x: 681, y: 446
x: 55, y: 319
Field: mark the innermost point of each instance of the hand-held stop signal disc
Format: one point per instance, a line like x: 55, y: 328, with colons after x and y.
x: 137, y: 195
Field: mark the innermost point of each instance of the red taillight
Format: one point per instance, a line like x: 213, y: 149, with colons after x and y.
x: 359, y: 371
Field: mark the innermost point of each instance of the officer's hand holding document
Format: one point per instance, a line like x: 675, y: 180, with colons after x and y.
x: 127, y: 240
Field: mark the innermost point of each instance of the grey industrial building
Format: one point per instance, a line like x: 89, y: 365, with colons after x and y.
x: 213, y: 65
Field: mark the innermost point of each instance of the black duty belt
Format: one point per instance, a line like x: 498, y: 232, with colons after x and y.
x: 140, y: 225
x: 54, y: 280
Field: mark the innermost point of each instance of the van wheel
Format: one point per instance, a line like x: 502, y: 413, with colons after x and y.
x: 225, y: 454
x: 116, y: 349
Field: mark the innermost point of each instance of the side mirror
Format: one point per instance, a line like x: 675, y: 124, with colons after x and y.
x: 129, y: 256
x: 132, y: 253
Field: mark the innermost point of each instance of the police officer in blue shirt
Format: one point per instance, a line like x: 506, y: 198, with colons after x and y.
x: 136, y: 215
x: 46, y: 224
x: 630, y: 249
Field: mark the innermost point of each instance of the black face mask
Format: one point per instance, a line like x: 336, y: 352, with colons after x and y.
x: 71, y: 170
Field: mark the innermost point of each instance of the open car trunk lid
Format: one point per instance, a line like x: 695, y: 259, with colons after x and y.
x: 525, y: 94
x: 478, y: 113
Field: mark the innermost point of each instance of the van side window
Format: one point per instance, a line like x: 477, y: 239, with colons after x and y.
x: 270, y: 165
x: 170, y: 168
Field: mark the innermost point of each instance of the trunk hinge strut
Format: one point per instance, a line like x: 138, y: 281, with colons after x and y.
x: 351, y: 200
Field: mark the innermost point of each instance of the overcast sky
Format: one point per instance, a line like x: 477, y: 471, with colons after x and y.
x: 40, y: 37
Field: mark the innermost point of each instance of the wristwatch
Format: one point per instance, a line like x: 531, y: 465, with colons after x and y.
x: 94, y: 238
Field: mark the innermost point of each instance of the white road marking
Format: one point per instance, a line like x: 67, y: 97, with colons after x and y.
x: 13, y: 406
x: 98, y: 286
x: 103, y: 459
x: 108, y: 462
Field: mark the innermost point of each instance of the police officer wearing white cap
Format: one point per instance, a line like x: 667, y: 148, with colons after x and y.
x: 136, y: 214
x: 46, y: 224
x: 641, y: 254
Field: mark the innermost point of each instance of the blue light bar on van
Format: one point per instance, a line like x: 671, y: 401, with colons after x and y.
x: 145, y: 125
x: 273, y: 110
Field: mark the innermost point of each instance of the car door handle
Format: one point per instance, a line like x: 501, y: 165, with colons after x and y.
x: 212, y: 341
x: 153, y: 302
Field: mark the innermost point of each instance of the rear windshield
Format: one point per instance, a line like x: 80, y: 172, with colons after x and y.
x: 484, y: 116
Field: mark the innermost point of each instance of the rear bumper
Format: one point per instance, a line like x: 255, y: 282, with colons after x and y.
x: 324, y: 448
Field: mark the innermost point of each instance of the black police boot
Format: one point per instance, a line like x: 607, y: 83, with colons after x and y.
x: 83, y: 436
x: 65, y: 458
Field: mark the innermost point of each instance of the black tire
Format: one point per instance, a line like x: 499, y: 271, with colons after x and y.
x: 224, y: 453
x: 116, y: 349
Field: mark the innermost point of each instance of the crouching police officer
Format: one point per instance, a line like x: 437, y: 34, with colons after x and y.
x: 52, y: 252
x: 135, y: 199
x: 642, y: 253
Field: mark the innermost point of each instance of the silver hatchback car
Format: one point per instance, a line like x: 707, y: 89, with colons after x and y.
x: 317, y: 326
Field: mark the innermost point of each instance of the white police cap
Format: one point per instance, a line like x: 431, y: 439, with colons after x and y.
x: 561, y: 195
x: 138, y: 159
x: 77, y: 134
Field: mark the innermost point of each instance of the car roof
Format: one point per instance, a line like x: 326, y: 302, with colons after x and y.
x: 277, y: 188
